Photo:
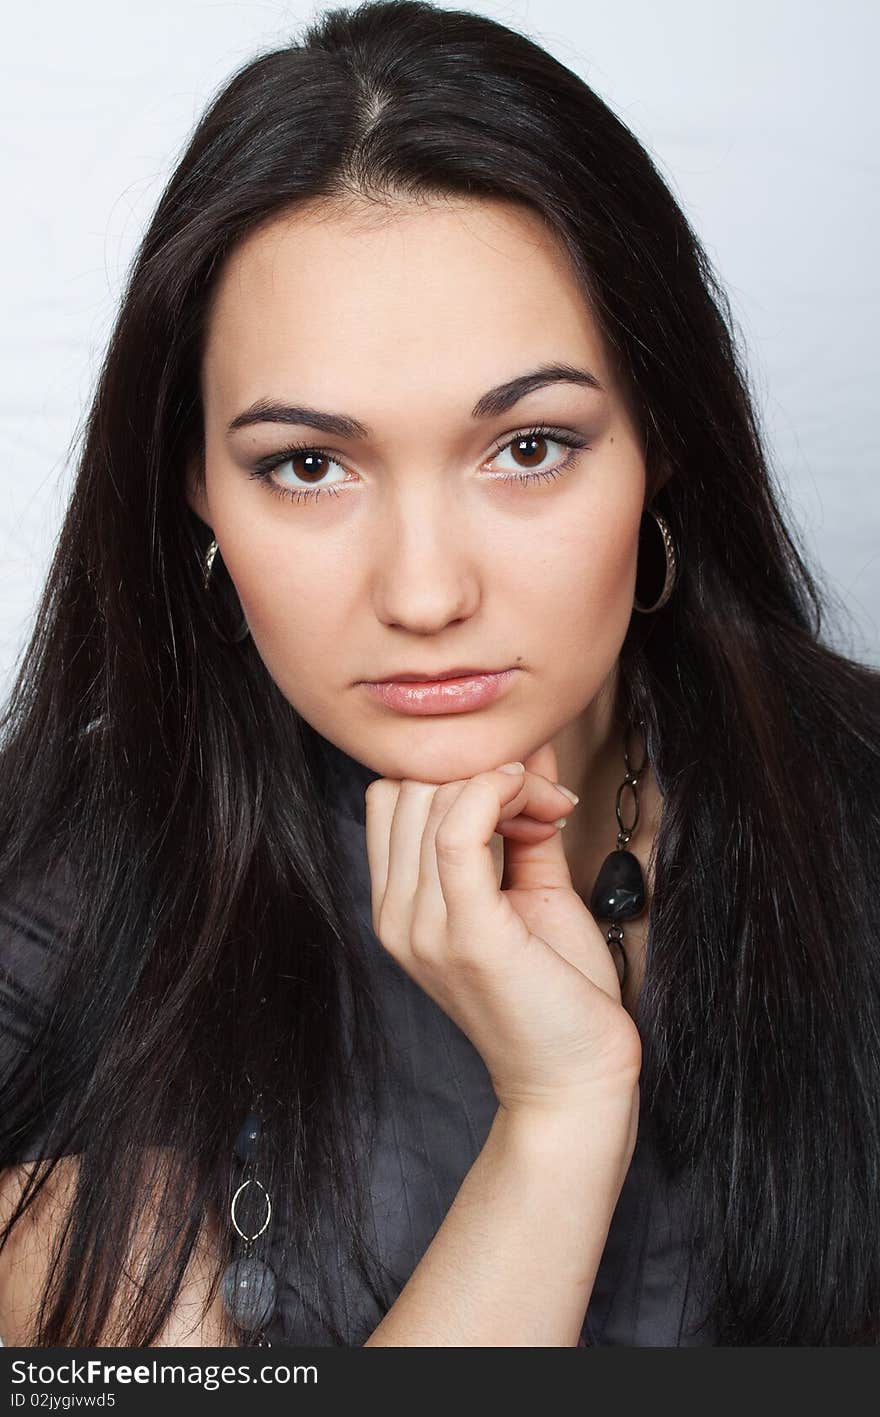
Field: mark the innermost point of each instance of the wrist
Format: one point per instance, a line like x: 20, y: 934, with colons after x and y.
x: 598, y: 1129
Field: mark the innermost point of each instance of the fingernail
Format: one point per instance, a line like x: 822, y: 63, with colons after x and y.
x: 561, y: 822
x: 572, y: 796
x: 512, y: 767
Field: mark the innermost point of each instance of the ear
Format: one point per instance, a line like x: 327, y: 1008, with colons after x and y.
x: 195, y: 491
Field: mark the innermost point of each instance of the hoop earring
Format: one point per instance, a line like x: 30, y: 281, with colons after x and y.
x: 671, y: 575
x: 244, y: 630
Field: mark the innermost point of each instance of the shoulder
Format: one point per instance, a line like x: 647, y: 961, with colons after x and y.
x: 197, y: 1317
x: 35, y: 910
x: 35, y: 913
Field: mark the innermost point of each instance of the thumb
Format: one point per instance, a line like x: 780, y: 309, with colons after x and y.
x: 529, y: 865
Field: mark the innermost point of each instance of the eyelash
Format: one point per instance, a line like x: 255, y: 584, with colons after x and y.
x: 267, y: 465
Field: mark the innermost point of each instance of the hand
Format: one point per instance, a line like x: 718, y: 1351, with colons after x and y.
x: 522, y: 968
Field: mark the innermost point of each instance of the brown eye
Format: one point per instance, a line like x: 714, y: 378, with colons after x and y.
x: 310, y: 465
x: 530, y: 457
x: 529, y: 451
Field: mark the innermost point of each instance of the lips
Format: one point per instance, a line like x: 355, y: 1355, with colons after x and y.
x: 460, y: 672
x: 460, y: 694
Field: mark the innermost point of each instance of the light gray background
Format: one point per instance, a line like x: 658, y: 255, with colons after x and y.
x: 762, y: 116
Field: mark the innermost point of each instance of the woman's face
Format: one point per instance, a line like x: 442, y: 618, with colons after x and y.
x: 401, y: 548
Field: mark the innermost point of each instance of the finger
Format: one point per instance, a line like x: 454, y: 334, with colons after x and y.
x: 430, y: 916
x: 522, y: 828
x: 464, y: 858
x: 407, y: 828
x: 380, y: 801
x: 398, y: 814
x: 542, y: 799
x: 546, y: 803
x: 536, y: 864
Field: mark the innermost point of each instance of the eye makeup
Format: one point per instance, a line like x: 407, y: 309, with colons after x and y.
x: 566, y: 438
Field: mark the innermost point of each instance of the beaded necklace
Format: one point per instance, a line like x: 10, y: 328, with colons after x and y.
x: 249, y: 1286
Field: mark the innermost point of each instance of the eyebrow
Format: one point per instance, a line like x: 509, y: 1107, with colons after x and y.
x: 489, y: 405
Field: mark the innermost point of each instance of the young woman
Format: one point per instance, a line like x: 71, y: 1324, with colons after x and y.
x: 318, y: 1026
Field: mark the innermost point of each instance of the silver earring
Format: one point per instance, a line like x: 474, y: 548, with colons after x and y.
x: 244, y: 630
x: 209, y: 561
x: 671, y: 568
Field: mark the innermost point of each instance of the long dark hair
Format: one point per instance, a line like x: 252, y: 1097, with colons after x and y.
x: 209, y: 949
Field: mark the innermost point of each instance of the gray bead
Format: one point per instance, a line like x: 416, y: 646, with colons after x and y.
x: 249, y: 1291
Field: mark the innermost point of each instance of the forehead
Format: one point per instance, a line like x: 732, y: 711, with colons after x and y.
x: 460, y: 291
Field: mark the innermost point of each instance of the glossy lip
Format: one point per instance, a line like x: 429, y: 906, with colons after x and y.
x: 459, y: 671
x: 434, y: 696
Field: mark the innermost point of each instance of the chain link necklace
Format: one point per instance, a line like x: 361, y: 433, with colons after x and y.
x: 619, y: 891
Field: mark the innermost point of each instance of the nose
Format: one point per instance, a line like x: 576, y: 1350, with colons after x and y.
x: 427, y: 573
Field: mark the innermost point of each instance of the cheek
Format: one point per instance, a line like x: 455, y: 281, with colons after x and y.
x: 296, y: 607
x: 589, y: 583
x: 590, y: 587
x: 609, y: 582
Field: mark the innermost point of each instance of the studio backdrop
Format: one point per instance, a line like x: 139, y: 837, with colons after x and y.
x: 761, y: 115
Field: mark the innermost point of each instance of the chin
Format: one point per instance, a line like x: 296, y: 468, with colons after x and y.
x: 434, y: 760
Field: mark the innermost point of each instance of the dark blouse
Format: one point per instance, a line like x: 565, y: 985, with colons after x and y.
x: 436, y: 1113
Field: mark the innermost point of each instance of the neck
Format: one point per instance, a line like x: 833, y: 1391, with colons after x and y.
x: 590, y: 757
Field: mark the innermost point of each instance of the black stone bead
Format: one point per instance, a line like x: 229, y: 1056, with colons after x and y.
x: 619, y: 892
x: 248, y: 1139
